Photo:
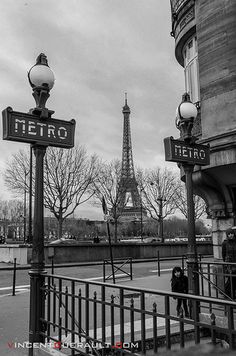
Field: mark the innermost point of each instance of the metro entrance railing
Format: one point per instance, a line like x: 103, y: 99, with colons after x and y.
x: 89, y: 317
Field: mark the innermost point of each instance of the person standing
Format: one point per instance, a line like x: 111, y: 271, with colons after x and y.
x: 179, y: 284
x: 229, y: 255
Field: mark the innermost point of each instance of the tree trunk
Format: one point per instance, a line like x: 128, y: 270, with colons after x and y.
x: 115, y: 232
x: 60, y: 222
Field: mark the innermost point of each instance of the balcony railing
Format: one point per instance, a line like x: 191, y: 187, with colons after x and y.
x: 176, y: 5
x: 96, y: 318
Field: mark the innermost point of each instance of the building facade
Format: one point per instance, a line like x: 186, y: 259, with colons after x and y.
x: 205, y: 46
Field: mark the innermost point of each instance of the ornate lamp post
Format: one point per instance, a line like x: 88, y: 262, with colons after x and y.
x: 40, y: 130
x: 186, y: 113
x: 41, y: 79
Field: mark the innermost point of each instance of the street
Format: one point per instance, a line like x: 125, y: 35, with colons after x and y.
x: 94, y: 272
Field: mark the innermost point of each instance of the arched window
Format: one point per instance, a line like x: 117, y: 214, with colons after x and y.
x: 190, y: 55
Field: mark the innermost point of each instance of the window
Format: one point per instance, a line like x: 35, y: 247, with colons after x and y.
x: 190, y: 55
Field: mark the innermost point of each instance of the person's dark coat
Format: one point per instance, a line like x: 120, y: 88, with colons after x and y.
x: 179, y: 284
x: 229, y: 250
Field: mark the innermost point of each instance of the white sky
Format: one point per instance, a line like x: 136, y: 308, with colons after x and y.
x: 98, y: 50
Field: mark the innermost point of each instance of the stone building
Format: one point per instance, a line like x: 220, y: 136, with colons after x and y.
x: 205, y: 46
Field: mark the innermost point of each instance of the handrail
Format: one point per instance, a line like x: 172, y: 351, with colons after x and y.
x: 214, y: 285
x: 225, y: 278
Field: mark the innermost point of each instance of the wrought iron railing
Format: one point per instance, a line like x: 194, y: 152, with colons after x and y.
x: 176, y: 5
x: 91, y: 317
x: 218, y: 279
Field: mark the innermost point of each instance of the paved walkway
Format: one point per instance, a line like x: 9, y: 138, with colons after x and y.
x: 14, y: 312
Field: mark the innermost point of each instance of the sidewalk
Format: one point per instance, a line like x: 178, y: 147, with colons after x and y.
x: 14, y: 312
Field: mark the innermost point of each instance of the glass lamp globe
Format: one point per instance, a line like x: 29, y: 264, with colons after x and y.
x: 41, y: 75
x: 187, y: 110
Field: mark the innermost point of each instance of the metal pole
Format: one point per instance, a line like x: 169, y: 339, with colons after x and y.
x: 158, y: 264
x: 141, y: 220
x: 183, y: 263
x: 24, y: 217
x: 52, y: 265
x: 14, y: 278
x: 161, y: 220
x: 111, y: 255
x: 37, y: 263
x: 192, y: 258
x: 104, y: 271
x: 131, y: 268
x: 30, y: 193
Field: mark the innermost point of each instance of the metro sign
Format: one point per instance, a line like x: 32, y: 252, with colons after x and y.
x: 29, y: 128
x: 179, y: 151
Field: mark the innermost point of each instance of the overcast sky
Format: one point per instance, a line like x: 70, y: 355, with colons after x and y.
x: 98, y: 50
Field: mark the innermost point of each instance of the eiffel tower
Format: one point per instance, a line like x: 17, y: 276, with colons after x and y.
x: 130, y: 200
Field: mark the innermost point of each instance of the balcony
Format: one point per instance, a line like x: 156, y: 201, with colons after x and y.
x: 176, y: 5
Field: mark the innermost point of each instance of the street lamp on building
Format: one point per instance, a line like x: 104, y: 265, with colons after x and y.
x: 185, y: 115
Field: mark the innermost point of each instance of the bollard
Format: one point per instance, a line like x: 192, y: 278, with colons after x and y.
x: 104, y: 271
x: 52, y: 270
x: 158, y: 264
x: 52, y: 265
x: 183, y: 263
x: 213, y: 331
x: 131, y: 269
x: 14, y: 278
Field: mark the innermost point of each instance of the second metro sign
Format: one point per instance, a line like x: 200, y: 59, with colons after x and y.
x: 24, y: 127
x: 179, y: 151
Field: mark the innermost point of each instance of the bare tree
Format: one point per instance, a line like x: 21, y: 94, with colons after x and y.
x: 181, y: 203
x: 11, y: 212
x: 107, y: 186
x: 158, y: 186
x: 68, y: 175
x: 16, y: 175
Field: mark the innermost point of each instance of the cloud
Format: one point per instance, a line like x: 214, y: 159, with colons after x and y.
x: 98, y: 50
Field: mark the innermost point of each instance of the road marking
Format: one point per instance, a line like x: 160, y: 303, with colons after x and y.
x: 162, y: 270
x: 17, y: 287
x: 95, y: 278
x: 83, y: 279
x: 18, y: 292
